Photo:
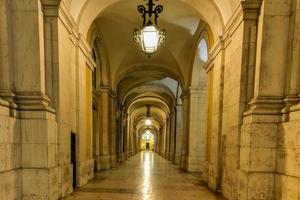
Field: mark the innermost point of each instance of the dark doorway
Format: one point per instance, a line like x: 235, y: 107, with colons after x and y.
x: 147, y: 145
x: 73, y: 157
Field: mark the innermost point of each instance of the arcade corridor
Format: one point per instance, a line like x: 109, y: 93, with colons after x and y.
x: 145, y: 176
x: 211, y: 87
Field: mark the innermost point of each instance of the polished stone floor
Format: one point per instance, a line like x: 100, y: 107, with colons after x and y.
x: 143, y: 177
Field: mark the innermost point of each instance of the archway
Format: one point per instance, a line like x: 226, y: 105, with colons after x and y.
x: 147, y: 141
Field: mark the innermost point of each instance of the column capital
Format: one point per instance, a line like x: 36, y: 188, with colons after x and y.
x: 51, y: 7
x: 251, y: 9
x: 195, y: 90
x: 108, y: 90
x: 191, y: 91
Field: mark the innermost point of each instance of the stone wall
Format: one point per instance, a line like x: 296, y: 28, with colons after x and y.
x: 10, y: 154
x: 287, y: 178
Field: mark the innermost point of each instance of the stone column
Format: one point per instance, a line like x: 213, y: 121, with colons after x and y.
x: 197, y: 130
x: 136, y: 142
x: 128, y: 129
x: 131, y: 142
x: 161, y: 141
x: 123, y: 126
x: 164, y: 140
x: 6, y: 70
x: 96, y: 139
x: 294, y: 90
x: 260, y: 124
x: 178, y: 134
x: 121, y: 142
x: 185, y: 128
x: 167, y: 149
x: 172, y: 135
x: 38, y: 121
x: 113, y: 129
x: 104, y: 118
x: 157, y: 142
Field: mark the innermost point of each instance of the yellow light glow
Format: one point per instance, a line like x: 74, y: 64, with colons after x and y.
x: 148, y: 122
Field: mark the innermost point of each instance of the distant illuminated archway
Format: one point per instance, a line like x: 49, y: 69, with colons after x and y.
x: 147, y: 141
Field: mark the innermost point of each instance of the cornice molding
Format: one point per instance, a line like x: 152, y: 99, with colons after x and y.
x: 269, y: 105
x: 295, y: 107
x: 86, y: 50
x: 108, y: 90
x: 247, y: 10
x: 51, y: 7
x: 30, y: 101
x: 185, y: 94
x: 4, y: 103
x: 56, y: 8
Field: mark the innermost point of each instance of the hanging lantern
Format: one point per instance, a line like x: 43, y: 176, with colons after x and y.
x: 150, y: 37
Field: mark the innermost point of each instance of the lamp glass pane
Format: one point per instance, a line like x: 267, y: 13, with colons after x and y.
x: 150, y: 38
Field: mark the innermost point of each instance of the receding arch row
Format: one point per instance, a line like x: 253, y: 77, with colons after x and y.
x: 213, y: 11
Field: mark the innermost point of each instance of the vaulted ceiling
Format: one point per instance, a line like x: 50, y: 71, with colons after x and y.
x: 155, y: 81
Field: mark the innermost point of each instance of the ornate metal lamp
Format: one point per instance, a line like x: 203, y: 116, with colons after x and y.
x: 150, y: 36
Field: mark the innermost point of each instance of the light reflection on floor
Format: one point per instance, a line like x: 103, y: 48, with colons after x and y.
x: 146, y: 176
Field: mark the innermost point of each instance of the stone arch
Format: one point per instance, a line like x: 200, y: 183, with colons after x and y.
x: 102, y: 62
x: 204, y: 34
x: 219, y: 12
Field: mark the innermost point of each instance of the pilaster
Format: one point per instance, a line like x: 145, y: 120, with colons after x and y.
x: 259, y: 132
x: 105, y: 127
x: 293, y: 66
x: 185, y: 122
x: 195, y: 157
x: 37, y: 118
x: 178, y: 134
x: 6, y: 72
x: 113, y: 129
x: 172, y: 135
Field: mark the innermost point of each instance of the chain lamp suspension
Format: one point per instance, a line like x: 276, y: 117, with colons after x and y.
x: 148, y: 116
x: 150, y: 37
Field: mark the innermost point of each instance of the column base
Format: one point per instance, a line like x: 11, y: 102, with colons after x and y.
x: 41, y: 175
x: 40, y: 183
x: 205, y: 171
x: 162, y: 153
x: 66, y: 178
x: 121, y: 157
x: 85, y: 172
x: 113, y: 160
x: 255, y: 185
x: 194, y: 163
x: 258, y: 147
x: 177, y: 158
x: 11, y: 184
x: 104, y: 162
x: 172, y: 157
x: 183, y: 162
x: 97, y: 163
